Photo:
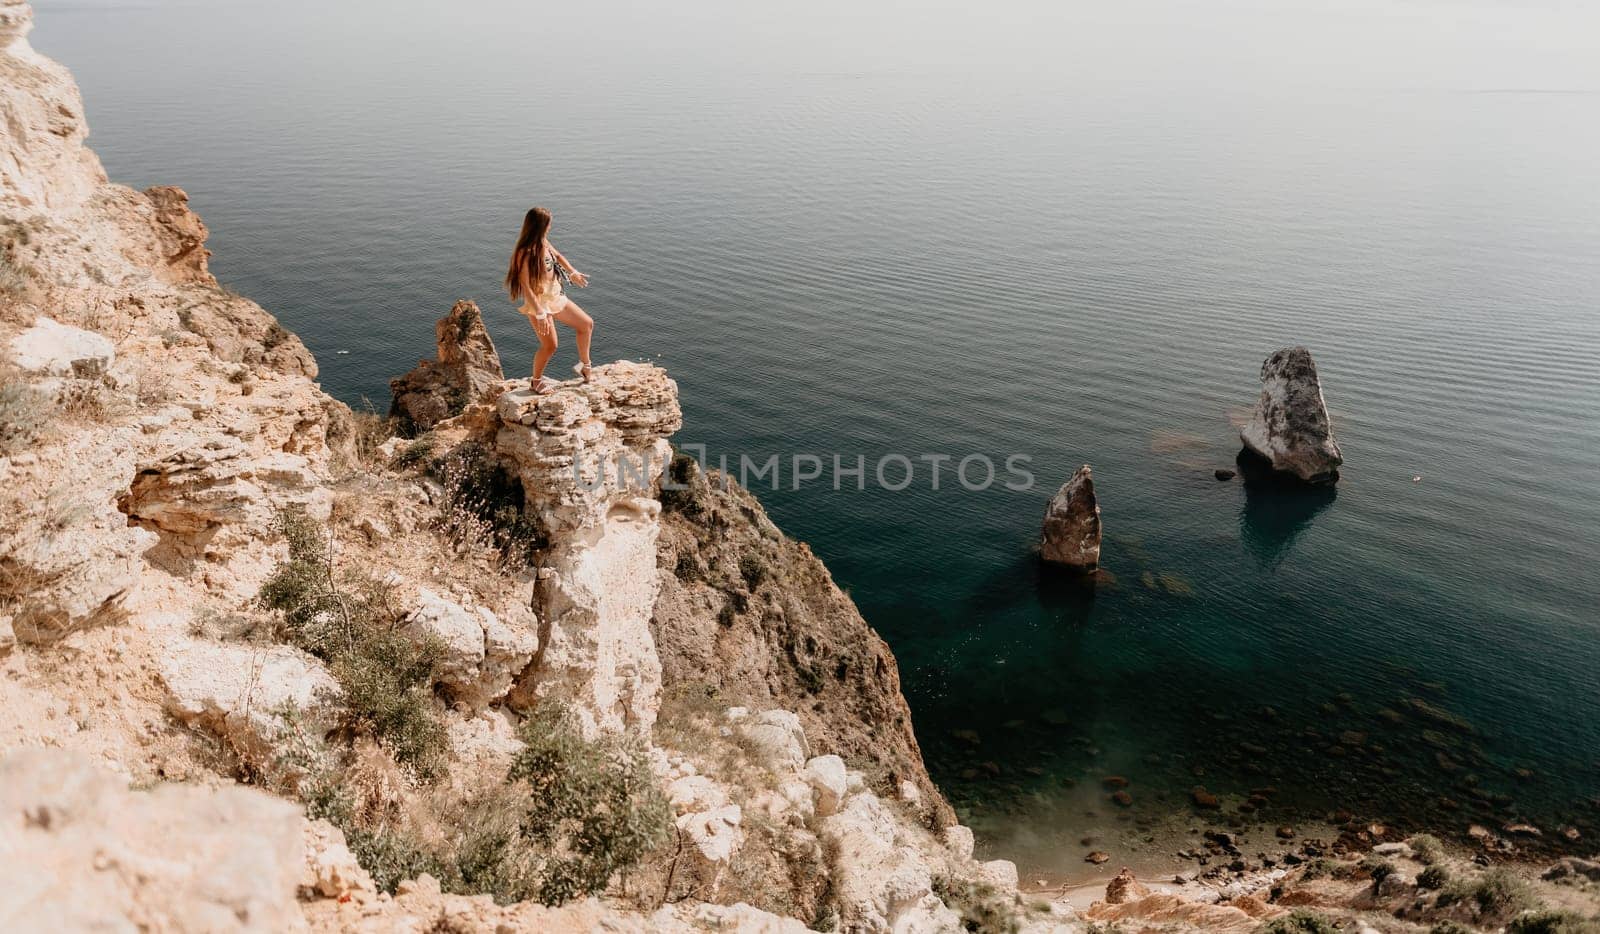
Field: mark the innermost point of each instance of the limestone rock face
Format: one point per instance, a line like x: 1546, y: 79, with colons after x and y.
x: 83, y: 853
x: 1071, y: 534
x: 222, y: 482
x: 64, y: 544
x: 241, y: 692
x: 589, y: 457
x: 331, y: 870
x: 482, y: 655
x: 43, y: 163
x: 1290, y: 428
x: 467, y: 365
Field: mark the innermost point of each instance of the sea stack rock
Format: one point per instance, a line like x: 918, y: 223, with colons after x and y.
x: 1290, y: 429
x: 1072, y: 524
x: 467, y: 366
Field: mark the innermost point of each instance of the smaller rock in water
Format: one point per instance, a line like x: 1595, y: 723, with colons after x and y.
x: 1071, y: 534
x: 1223, y: 473
x: 1097, y: 857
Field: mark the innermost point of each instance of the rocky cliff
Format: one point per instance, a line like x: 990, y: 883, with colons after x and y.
x: 213, y: 573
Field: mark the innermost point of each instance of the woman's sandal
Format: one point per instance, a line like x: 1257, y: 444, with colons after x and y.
x: 541, y: 385
x: 584, y: 370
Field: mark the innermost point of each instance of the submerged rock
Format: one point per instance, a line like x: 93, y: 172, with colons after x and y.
x: 1290, y: 429
x: 466, y: 367
x: 1071, y: 534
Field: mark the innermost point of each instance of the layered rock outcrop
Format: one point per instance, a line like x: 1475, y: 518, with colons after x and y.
x: 589, y: 458
x: 1071, y: 534
x: 466, y: 366
x: 1290, y: 429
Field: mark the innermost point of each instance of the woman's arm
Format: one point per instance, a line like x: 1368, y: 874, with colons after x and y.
x: 578, y: 278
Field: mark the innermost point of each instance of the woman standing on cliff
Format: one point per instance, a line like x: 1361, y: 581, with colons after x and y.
x: 537, y: 270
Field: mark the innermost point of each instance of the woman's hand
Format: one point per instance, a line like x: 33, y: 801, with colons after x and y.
x: 544, y: 326
x: 579, y: 279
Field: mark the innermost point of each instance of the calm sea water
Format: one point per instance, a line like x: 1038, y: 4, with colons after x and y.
x: 1055, y: 230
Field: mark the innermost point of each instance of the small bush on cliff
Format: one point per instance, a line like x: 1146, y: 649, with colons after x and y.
x: 1553, y: 922
x: 386, y: 677
x: 1426, y: 848
x: 684, y: 490
x: 25, y: 413
x: 1433, y: 877
x: 593, y: 807
x: 982, y: 907
x: 1300, y: 921
x: 13, y: 275
x: 483, y: 507
x: 1495, y: 894
x: 753, y: 568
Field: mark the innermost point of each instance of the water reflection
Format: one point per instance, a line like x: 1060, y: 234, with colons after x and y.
x: 1276, y: 511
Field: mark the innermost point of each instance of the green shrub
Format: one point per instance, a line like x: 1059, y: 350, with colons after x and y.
x: 1300, y: 921
x: 1495, y: 894
x: 1553, y: 921
x: 415, y: 454
x: 1433, y: 877
x: 1450, y: 927
x: 593, y: 807
x: 386, y: 678
x: 1319, y: 868
x: 753, y: 568
x: 1426, y: 848
x: 1377, y: 867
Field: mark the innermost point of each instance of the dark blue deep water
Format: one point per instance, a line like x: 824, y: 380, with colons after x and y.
x: 1058, y: 230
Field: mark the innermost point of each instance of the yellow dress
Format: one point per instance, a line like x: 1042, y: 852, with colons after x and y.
x: 547, y: 296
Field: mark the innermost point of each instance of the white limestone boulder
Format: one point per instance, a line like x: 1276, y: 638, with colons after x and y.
x: 82, y: 852
x: 958, y: 839
x: 829, y: 784
x: 50, y: 348
x: 480, y: 655
x: 253, y: 696
x: 776, y: 733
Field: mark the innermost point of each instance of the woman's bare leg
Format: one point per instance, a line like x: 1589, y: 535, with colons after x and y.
x: 547, y: 347
x: 580, y: 322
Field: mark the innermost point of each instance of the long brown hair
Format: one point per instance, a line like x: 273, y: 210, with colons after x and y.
x: 527, y: 270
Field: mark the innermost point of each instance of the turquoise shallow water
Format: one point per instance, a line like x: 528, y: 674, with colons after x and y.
x: 1070, y: 234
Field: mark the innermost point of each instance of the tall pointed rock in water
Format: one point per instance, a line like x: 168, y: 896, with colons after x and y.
x: 1290, y: 428
x: 467, y: 366
x: 1072, y: 524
